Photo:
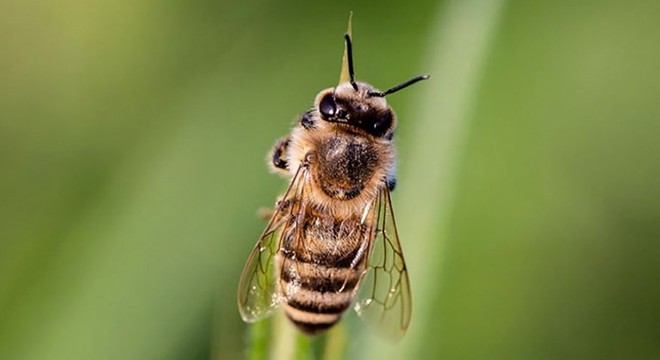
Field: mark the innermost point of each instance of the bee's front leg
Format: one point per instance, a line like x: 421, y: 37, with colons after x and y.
x: 391, y: 182
x: 277, y: 156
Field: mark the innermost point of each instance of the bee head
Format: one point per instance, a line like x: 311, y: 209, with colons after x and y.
x: 359, y: 104
x: 345, y: 105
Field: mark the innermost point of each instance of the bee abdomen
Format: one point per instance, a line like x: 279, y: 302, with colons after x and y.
x: 313, y: 312
x: 317, y: 296
x: 313, y: 327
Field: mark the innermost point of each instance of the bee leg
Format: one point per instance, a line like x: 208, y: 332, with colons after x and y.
x: 265, y: 213
x: 307, y: 120
x: 277, y: 156
x: 391, y: 182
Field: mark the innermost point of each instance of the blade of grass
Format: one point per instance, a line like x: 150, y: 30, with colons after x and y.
x: 258, y: 341
x: 335, y: 343
x: 285, y: 342
x: 284, y: 338
x: 457, y: 51
x: 304, y: 348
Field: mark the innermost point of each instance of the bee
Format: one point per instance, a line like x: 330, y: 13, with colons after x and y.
x: 332, y: 239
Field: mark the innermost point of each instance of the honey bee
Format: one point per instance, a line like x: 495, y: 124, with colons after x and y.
x: 332, y: 238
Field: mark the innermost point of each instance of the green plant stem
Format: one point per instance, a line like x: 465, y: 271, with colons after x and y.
x: 284, y: 341
x: 335, y: 343
x: 258, y: 340
x: 277, y: 339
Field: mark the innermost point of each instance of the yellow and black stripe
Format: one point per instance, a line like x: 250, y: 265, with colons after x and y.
x: 317, y: 292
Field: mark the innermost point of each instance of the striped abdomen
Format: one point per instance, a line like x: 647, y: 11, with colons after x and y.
x: 320, y: 269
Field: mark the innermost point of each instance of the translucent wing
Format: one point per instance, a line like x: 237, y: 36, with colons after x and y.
x: 384, y: 300
x: 258, y: 292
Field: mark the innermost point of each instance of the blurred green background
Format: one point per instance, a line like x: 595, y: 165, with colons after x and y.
x: 132, y: 146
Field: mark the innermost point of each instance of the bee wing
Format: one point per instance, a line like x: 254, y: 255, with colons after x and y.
x: 258, y: 293
x: 384, y: 300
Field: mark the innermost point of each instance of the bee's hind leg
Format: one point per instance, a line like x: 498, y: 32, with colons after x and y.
x: 265, y: 213
x: 280, y: 205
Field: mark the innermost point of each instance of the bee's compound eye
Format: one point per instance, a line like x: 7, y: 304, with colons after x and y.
x: 382, y: 123
x: 327, y: 106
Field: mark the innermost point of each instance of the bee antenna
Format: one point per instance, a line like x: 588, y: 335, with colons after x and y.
x: 349, y: 53
x: 398, y: 87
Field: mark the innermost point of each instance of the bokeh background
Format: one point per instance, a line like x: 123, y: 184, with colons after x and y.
x: 132, y: 144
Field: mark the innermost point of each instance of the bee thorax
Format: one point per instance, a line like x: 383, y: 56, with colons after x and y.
x: 345, y: 165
